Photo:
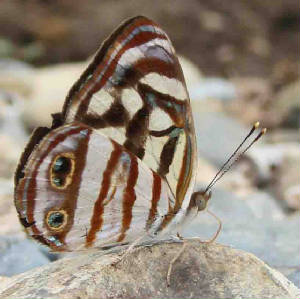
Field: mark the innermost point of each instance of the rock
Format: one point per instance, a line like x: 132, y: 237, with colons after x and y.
x: 254, y: 223
x: 287, y: 106
x: 217, y: 134
x: 4, y: 279
x: 50, y: 86
x: 255, y: 96
x: 202, y: 271
x: 11, y: 124
x: 7, y: 48
x: 12, y: 133
x: 205, y: 171
x: 16, y: 77
x: 213, y: 88
x: 277, y: 166
x: 9, y: 155
x: 9, y: 222
x: 191, y: 73
x: 19, y: 255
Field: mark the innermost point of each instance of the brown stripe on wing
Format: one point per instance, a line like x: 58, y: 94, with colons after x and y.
x: 167, y: 155
x: 137, y: 131
x: 99, y: 57
x: 182, y: 185
x: 97, y: 218
x: 162, y: 133
x: 70, y: 203
x: 32, y: 183
x: 176, y: 109
x: 156, y: 191
x: 156, y: 65
x: 185, y: 173
x: 129, y: 197
x: 93, y: 86
x: 115, y: 116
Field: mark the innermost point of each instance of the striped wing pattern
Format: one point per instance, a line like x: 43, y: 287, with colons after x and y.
x: 96, y: 215
x: 120, y: 159
x: 134, y: 92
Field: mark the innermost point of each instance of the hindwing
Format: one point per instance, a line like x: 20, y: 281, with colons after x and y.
x: 81, y: 189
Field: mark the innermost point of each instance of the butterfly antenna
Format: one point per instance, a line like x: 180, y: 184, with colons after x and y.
x: 254, y: 127
x: 262, y: 132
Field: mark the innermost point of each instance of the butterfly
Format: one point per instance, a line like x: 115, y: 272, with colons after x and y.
x: 119, y: 160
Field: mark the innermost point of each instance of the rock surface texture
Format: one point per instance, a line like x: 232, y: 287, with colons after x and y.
x: 202, y: 271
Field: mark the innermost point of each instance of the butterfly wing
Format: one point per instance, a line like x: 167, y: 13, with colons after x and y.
x: 134, y: 92
x: 82, y: 189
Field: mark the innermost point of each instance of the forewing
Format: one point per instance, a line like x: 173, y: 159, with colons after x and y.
x: 134, y: 92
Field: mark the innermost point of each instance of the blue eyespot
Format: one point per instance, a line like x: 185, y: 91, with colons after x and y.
x: 56, y: 219
x: 59, y: 182
x: 62, y: 165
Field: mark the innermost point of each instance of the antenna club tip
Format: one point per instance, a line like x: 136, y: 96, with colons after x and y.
x: 264, y: 131
x: 256, y: 125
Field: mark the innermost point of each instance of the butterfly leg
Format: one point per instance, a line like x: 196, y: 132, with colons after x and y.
x: 185, y: 240
x: 131, y: 248
x: 176, y: 257
x: 214, y: 237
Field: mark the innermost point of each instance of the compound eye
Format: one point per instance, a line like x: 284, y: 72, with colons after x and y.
x: 201, y: 203
x: 56, y: 220
x: 200, y: 199
x: 62, y: 170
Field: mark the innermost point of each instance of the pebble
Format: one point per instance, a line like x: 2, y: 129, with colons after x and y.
x: 19, y: 255
x: 213, y: 88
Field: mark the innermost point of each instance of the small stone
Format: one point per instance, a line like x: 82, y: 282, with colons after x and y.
x: 287, y: 106
x: 50, y: 87
x: 9, y: 222
x: 19, y: 255
x: 277, y: 167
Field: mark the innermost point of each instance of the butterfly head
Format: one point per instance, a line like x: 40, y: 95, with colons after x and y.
x: 200, y: 200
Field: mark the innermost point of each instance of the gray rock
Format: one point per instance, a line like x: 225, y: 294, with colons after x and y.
x: 254, y: 97
x: 287, y: 106
x: 11, y: 109
x: 257, y: 225
x: 278, y: 167
x: 202, y: 271
x: 9, y: 222
x: 50, y: 86
x: 213, y: 88
x: 19, y: 255
x: 217, y: 135
x: 16, y: 77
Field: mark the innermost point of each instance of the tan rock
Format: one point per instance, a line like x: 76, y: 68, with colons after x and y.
x: 10, y: 153
x: 255, y: 96
x: 287, y: 105
x: 49, y: 89
x: 9, y: 222
x: 191, y: 72
x: 16, y: 77
x: 278, y: 166
x: 202, y: 271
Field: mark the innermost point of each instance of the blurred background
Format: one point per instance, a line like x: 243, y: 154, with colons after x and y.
x: 241, y: 62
